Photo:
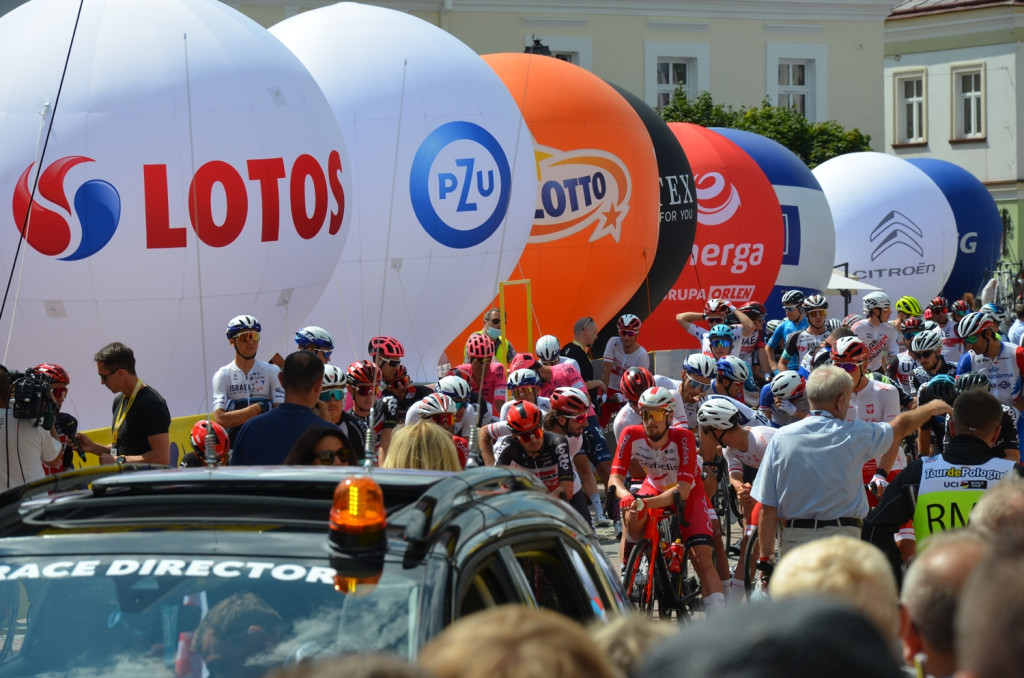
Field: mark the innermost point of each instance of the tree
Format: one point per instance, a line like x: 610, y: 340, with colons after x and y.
x: 814, y: 143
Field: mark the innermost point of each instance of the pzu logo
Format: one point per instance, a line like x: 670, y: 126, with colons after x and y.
x: 97, y: 205
x: 459, y: 184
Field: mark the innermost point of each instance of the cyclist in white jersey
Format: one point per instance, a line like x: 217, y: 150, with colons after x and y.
x: 245, y: 387
x: 696, y: 376
x: 621, y: 353
x: 784, y: 400
x: 717, y: 312
x: 997, y: 359
x: 799, y: 344
x: 952, y: 344
x: 874, y: 330
x: 635, y: 381
x: 522, y: 385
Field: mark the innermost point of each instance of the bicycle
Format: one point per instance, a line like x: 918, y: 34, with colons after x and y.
x: 661, y: 577
x: 724, y: 500
x: 752, y: 552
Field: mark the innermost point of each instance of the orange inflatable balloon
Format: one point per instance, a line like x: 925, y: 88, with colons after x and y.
x: 595, y: 228
x: 737, y: 253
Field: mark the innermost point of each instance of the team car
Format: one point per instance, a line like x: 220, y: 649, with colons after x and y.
x: 131, y: 570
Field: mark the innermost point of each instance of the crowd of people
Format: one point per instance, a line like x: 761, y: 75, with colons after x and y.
x: 872, y: 429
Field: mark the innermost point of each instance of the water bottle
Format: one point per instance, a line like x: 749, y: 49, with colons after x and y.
x: 675, y: 561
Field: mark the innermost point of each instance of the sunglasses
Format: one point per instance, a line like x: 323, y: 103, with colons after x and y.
x: 479, y: 361
x: 909, y: 336
x: 364, y: 390
x: 446, y: 419
x: 627, y: 333
x: 973, y: 339
x: 698, y: 385
x: 494, y: 322
x: 656, y: 416
x: 790, y: 309
x: 322, y: 352
x: 519, y: 393
x: 849, y: 367
x: 528, y: 436
x: 721, y: 343
x: 714, y: 319
x: 332, y: 394
x: 578, y: 418
x: 59, y: 391
x: 327, y: 457
x: 392, y: 362
x: 250, y: 335
x: 938, y: 309
x: 925, y: 354
x: 104, y: 377
x: 816, y: 313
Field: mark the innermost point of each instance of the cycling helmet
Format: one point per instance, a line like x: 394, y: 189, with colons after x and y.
x: 700, y: 365
x: 547, y: 348
x: 721, y: 332
x: 929, y: 325
x: 523, y: 417
x: 570, y: 400
x: 198, y: 439
x: 634, y: 382
x: 938, y: 304
x: 960, y: 306
x: 815, y: 302
x: 942, y: 387
x: 454, y: 387
x: 823, y: 356
x: 732, y: 368
x: 401, y: 378
x: 833, y: 324
x: 314, y: 336
x: 927, y: 315
x: 966, y: 382
x: 716, y: 307
x: 657, y: 398
x: 850, y: 350
x: 479, y: 346
x: 385, y: 347
x: 926, y: 341
x: 852, y: 319
x: 909, y: 305
x: 434, y: 404
x: 787, y: 385
x: 996, y: 311
x: 363, y: 372
x: 875, y: 300
x: 913, y: 324
x: 771, y: 326
x: 754, y: 311
x: 334, y: 377
x: 718, y: 413
x: 54, y: 372
x: 974, y: 323
x: 243, y: 323
x: 792, y: 298
x: 524, y: 361
x: 628, y: 322
x: 522, y: 378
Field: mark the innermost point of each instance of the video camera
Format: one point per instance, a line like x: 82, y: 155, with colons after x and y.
x: 31, y: 396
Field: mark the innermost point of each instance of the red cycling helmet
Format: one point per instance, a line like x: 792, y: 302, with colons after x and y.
x: 960, y: 306
x: 363, y: 372
x: 939, y: 304
x: 523, y: 416
x: 570, y: 400
x: 401, y: 379
x: 523, y: 361
x: 54, y: 372
x: 628, y: 323
x: 479, y: 346
x: 198, y: 438
x: 634, y: 382
x: 385, y: 347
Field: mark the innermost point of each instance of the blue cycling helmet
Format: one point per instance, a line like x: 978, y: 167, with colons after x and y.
x: 720, y: 332
x: 317, y: 337
x: 732, y: 368
x: 243, y: 323
x: 995, y: 310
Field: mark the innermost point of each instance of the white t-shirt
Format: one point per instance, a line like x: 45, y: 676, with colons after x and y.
x: 26, y: 448
x: 231, y: 383
x: 621, y: 361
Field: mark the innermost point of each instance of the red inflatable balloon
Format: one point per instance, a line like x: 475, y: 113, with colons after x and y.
x: 740, y: 236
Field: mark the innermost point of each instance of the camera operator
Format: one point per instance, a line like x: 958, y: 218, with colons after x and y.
x: 27, y: 443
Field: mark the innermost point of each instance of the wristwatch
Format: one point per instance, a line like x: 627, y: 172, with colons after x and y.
x: 119, y: 459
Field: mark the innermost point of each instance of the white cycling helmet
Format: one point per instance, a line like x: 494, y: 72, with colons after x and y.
x: 454, y: 387
x: 717, y: 413
x: 657, y: 398
x: 876, y: 300
x: 435, y: 404
x: 314, y: 336
x: 334, y: 377
x: 787, y: 385
x: 926, y: 341
x: 700, y: 365
x: 242, y: 323
x: 547, y: 349
x: 522, y: 378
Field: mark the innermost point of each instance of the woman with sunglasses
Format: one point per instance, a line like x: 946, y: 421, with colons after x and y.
x: 320, y: 446
x: 246, y: 387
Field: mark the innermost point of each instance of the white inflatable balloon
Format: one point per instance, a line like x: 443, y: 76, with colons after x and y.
x: 444, y: 178
x: 893, y: 224
x: 185, y: 170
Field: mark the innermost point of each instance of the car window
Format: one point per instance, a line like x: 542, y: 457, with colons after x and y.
x: 552, y: 578
x: 164, y: 616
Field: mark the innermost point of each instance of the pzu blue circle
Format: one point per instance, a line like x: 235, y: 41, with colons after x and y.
x: 419, y: 184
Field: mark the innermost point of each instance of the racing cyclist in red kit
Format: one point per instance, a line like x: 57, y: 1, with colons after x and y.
x: 668, y: 455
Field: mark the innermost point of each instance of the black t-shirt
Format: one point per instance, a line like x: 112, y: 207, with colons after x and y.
x: 582, y: 358
x: 147, y: 416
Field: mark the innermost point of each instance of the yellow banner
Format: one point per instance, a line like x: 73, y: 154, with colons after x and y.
x: 180, y: 432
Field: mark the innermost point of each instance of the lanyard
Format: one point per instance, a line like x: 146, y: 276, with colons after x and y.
x: 122, y: 412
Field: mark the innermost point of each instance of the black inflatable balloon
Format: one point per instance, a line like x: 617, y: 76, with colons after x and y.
x: 677, y: 225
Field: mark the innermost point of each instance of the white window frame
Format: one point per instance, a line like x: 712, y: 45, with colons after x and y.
x: 791, y: 90
x: 698, y: 72
x: 815, y: 74
x: 899, y: 78
x: 579, y: 51
x: 957, y: 71
x: 668, y: 89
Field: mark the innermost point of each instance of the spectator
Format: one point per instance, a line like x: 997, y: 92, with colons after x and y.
x: 320, y: 446
x: 140, y: 432
x: 1000, y: 511
x: 494, y: 324
x: 1016, y: 331
x: 422, y: 445
x: 268, y: 438
x: 628, y: 638
x: 27, y: 447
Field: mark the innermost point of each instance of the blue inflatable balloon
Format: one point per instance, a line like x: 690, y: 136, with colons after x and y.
x: 979, y: 226
x: 810, y: 245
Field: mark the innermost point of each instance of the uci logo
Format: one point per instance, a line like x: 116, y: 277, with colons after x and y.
x: 97, y: 206
x: 459, y: 184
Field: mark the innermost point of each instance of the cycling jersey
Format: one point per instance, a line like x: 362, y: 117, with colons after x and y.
x: 673, y: 463
x: 766, y: 404
x: 551, y: 465
x: 758, y: 438
x: 705, y: 342
x: 900, y: 370
x: 919, y: 376
x: 407, y: 397
x: 880, y: 341
x: 783, y: 331
x: 385, y: 416
x: 952, y: 344
x: 621, y: 361
x: 493, y: 387
x: 262, y: 381
x: 749, y: 346
x: 875, y: 402
x: 1002, y: 371
x: 627, y: 416
x: 801, y: 344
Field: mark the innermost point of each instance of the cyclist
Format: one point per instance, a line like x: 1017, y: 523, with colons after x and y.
x: 440, y: 409
x: 405, y: 391
x: 784, y: 399
x: 986, y: 353
x: 486, y: 376
x: 808, y: 340
x: 634, y: 383
x: 522, y: 385
x: 901, y: 367
x: 906, y: 307
x: 621, y: 353
x: 364, y: 387
x: 316, y: 340
x: 952, y: 344
x: 456, y: 388
x: 331, y: 406
x: 386, y: 353
x: 752, y: 347
x: 743, y: 448
x: 930, y: 438
x: 695, y: 381
x: 796, y: 321
x: 245, y: 387
x: 926, y: 352
x: 547, y: 352
x: 568, y: 417
x: 1007, y: 446
x: 198, y: 436
x: 998, y: 314
x: 668, y: 454
x: 874, y: 330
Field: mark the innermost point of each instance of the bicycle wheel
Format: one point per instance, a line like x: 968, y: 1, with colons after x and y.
x: 734, y: 506
x: 750, y: 555
x: 639, y: 580
x: 689, y: 597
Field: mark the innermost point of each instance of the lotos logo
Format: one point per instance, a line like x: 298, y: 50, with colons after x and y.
x: 580, y: 189
x: 715, y: 204
x: 97, y: 206
x: 895, y: 229
x: 459, y: 184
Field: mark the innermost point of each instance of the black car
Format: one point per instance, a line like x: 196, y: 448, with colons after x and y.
x: 122, y: 571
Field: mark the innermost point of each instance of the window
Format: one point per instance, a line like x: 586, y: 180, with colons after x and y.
x: 793, y: 87
x: 571, y: 57
x: 968, y: 102
x: 673, y: 73
x: 910, y: 109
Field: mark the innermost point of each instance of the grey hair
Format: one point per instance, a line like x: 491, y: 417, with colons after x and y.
x: 826, y: 384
